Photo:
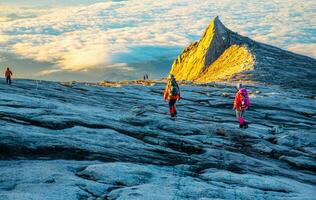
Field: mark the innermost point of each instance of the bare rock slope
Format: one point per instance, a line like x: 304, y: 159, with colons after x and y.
x: 223, y: 55
x: 82, y: 142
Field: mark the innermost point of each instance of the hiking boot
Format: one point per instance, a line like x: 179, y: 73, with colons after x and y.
x: 241, y: 125
x: 245, y: 125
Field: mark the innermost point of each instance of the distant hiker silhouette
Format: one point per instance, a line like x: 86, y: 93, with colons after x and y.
x: 8, y: 73
x: 241, y: 103
x: 172, y: 93
x: 145, y: 77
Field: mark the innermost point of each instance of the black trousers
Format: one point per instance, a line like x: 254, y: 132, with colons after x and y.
x: 8, y: 80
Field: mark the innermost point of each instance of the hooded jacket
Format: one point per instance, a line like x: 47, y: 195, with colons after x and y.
x: 242, y: 100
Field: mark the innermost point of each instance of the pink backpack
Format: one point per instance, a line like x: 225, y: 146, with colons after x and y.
x: 245, y: 98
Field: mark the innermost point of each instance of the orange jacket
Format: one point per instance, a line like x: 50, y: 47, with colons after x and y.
x: 8, y: 73
x: 167, y: 95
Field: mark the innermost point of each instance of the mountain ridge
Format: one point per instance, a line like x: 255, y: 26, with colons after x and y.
x: 224, y: 55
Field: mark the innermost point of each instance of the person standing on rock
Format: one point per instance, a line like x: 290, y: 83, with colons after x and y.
x: 8, y: 73
x: 241, y: 103
x: 172, y: 93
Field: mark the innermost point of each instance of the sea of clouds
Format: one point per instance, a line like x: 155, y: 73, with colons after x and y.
x: 114, y: 34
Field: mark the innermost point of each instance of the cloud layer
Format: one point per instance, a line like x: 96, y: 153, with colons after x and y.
x: 78, y: 38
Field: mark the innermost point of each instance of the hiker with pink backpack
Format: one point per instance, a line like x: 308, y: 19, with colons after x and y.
x: 241, y: 103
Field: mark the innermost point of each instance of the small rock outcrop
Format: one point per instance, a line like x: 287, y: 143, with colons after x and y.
x: 223, y: 55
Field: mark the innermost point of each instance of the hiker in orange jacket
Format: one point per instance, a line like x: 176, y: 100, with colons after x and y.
x: 172, y: 93
x: 241, y: 103
x: 8, y: 73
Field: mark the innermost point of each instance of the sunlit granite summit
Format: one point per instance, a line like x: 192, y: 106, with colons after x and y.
x: 223, y: 55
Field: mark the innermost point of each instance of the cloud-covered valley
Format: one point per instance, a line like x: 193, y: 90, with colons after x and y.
x: 116, y: 35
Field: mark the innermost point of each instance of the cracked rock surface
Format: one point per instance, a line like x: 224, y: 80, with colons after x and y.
x: 90, y: 142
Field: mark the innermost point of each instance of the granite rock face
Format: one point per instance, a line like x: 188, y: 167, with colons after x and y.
x: 77, y: 141
x: 223, y: 55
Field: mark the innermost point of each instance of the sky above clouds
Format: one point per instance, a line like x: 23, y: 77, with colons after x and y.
x: 97, y: 40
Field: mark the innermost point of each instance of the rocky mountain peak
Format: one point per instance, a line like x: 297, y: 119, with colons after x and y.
x: 220, y: 40
x: 196, y: 58
x: 223, y: 55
